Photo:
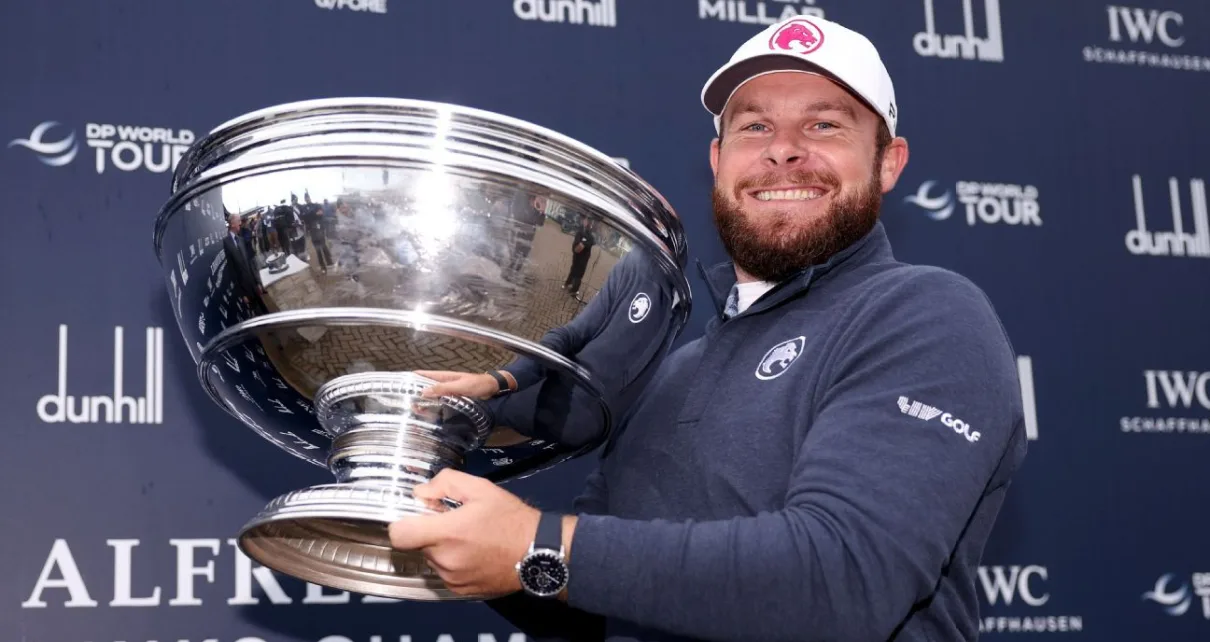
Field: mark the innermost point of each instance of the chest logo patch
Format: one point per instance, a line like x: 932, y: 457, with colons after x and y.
x: 639, y: 307
x: 779, y: 358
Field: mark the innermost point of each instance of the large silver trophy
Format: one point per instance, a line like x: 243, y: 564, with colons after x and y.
x: 318, y: 254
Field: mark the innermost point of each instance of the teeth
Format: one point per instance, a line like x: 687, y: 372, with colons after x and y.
x: 790, y: 195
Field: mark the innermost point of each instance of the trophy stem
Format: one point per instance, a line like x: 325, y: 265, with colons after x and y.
x: 387, y: 439
x: 392, y: 455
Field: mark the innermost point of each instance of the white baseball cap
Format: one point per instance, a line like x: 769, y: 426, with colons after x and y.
x: 812, y: 45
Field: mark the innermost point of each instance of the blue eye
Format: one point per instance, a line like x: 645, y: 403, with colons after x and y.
x: 749, y: 127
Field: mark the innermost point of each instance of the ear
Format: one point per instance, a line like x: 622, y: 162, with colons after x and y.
x: 893, y: 162
x: 714, y: 145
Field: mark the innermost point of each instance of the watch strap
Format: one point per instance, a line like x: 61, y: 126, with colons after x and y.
x: 550, y: 532
x: 501, y: 382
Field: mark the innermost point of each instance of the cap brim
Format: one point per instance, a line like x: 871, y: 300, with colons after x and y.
x: 725, y: 81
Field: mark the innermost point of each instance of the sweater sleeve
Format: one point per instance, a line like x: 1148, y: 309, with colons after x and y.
x: 570, y: 338
x: 594, y: 500
x: 921, y: 405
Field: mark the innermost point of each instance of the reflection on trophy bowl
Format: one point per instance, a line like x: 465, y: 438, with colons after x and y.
x: 320, y: 255
x: 276, y: 262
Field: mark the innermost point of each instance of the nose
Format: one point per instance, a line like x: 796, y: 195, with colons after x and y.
x: 787, y: 148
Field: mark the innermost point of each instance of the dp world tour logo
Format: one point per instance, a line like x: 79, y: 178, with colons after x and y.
x: 984, y: 202
x: 639, y: 307
x: 126, y: 148
x: 798, y: 36
x: 1177, y: 601
x: 778, y: 359
x: 55, y: 153
x: 937, y: 208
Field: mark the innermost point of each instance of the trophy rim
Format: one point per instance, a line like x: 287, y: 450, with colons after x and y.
x: 282, y: 111
x: 189, y: 177
x: 274, y: 114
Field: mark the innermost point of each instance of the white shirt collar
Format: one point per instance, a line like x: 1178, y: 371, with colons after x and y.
x: 747, y: 293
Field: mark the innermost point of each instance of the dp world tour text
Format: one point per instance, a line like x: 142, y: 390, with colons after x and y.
x: 131, y: 147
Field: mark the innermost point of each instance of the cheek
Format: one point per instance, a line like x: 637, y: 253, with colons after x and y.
x: 725, y: 182
x: 853, y: 170
x: 734, y: 162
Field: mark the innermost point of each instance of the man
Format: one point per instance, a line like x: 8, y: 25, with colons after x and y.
x: 313, y: 219
x: 240, y: 258
x: 827, y: 461
x: 241, y: 268
x: 528, y: 213
x: 282, y: 220
x: 581, y: 250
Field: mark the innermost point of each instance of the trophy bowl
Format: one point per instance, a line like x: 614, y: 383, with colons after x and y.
x: 319, y: 254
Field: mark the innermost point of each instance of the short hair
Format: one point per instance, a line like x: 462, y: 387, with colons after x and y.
x: 882, y: 140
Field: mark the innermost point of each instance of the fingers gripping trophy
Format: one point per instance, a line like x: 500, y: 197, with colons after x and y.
x: 327, y: 259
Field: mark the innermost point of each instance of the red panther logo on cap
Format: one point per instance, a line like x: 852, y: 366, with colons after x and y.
x: 804, y: 33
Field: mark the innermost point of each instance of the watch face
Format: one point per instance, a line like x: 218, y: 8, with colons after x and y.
x: 544, y: 573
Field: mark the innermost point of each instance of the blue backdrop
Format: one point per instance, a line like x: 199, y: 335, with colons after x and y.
x: 1058, y: 160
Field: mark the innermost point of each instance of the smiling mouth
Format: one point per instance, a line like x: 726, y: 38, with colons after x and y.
x: 801, y: 194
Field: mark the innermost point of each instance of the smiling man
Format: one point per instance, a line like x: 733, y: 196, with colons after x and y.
x: 827, y: 461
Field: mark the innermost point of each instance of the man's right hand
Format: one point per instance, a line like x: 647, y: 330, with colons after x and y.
x: 467, y: 384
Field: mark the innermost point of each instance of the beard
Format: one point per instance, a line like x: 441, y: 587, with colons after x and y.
x: 772, y: 247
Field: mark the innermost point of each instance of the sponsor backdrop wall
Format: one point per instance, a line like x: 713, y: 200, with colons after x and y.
x: 1058, y: 160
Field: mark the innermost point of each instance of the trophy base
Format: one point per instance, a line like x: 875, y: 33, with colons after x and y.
x: 335, y: 535
x: 386, y: 439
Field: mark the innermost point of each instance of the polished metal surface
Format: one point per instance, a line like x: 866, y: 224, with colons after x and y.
x: 318, y: 254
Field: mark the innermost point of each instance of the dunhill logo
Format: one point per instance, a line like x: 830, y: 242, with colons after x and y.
x: 968, y: 46
x: 59, y: 407
x: 1176, y: 242
x: 599, y: 14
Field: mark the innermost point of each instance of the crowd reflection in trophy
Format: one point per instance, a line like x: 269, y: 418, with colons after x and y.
x: 302, y: 230
x: 342, y: 238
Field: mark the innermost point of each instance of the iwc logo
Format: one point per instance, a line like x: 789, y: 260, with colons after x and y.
x: 778, y: 359
x: 639, y: 307
x: 798, y: 36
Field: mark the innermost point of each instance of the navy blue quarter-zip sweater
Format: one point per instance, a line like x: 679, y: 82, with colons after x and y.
x: 619, y: 337
x: 827, y: 465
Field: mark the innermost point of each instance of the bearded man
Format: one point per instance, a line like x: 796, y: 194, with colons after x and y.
x: 827, y: 461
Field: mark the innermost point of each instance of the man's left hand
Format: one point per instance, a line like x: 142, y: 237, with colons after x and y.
x: 475, y: 547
